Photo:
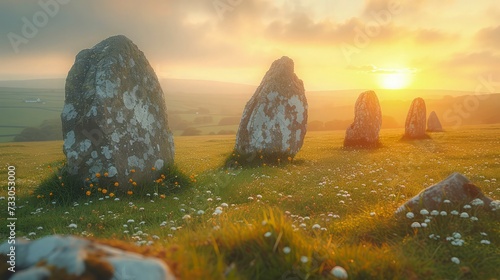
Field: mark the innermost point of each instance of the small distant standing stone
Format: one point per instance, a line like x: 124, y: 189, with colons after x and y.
x: 415, y: 120
x: 274, y: 119
x: 364, y: 131
x: 114, y: 117
x: 433, y: 123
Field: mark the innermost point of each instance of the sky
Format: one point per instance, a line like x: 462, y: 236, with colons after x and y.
x: 348, y: 44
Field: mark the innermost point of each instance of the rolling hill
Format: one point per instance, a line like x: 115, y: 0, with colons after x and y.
x: 211, y: 107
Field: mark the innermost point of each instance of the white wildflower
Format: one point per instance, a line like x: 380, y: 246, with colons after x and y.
x: 477, y: 202
x: 455, y: 260
x: 339, y: 272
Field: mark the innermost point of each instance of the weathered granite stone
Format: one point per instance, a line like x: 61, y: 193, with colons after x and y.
x: 364, y: 131
x: 274, y: 120
x: 78, y: 257
x: 456, y: 188
x: 433, y: 123
x: 415, y: 120
x: 114, y: 117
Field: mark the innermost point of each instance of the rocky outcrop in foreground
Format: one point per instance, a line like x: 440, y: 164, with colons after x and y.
x: 456, y: 189
x: 69, y: 257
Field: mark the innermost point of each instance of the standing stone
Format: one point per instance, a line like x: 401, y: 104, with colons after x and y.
x: 433, y: 123
x: 415, y: 120
x: 363, y: 132
x: 274, y: 119
x: 114, y: 117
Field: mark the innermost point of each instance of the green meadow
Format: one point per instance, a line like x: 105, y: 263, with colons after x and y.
x: 298, y: 220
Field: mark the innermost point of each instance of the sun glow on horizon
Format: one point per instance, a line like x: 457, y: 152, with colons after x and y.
x: 394, y: 80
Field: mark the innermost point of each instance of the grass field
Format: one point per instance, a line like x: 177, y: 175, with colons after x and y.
x: 330, y: 207
x: 16, y: 114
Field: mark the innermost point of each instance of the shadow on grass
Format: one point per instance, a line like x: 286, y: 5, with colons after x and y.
x: 259, y: 159
x: 64, y: 188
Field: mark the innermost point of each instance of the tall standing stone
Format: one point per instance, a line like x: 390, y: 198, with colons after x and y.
x: 415, y: 120
x: 114, y: 117
x: 364, y: 131
x: 274, y: 119
x: 433, y: 123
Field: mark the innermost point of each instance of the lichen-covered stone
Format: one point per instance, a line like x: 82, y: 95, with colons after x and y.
x: 274, y: 119
x: 433, y: 123
x: 415, y: 120
x: 73, y: 255
x: 364, y: 131
x: 114, y: 117
x: 456, y: 188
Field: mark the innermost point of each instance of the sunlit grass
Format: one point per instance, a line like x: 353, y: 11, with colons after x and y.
x: 330, y: 207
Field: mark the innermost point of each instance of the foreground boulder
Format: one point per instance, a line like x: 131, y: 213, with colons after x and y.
x: 274, y: 121
x: 114, y: 117
x: 63, y: 257
x: 433, y: 123
x: 456, y: 188
x: 364, y: 131
x: 415, y: 120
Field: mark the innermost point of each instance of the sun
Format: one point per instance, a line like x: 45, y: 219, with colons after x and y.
x: 394, y: 80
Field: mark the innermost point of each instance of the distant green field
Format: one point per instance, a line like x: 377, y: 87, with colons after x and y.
x: 16, y: 114
x: 330, y: 207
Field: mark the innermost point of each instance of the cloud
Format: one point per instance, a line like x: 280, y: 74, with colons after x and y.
x: 470, y: 65
x: 433, y: 36
x: 489, y: 37
x: 377, y: 70
x: 168, y: 31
